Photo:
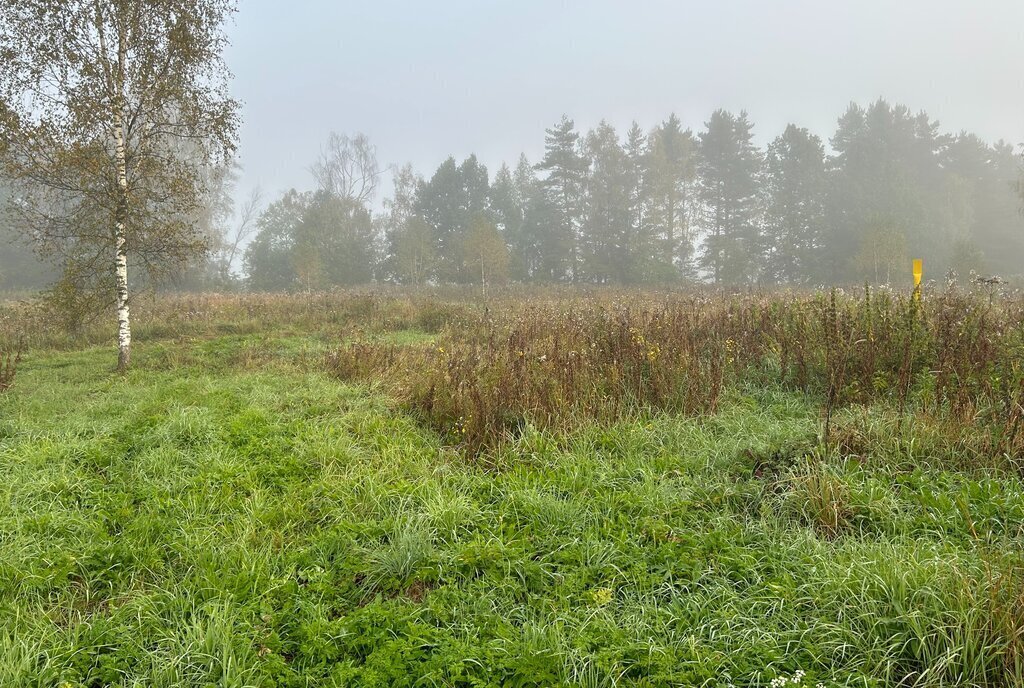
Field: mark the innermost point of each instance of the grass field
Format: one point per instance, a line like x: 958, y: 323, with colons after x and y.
x: 305, y: 493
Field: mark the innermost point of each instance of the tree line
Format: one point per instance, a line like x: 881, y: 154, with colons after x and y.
x: 648, y: 207
x: 660, y: 206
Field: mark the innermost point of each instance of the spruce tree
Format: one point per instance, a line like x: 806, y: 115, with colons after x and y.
x: 509, y: 212
x: 885, y: 202
x: 447, y: 203
x: 606, y: 229
x: 528, y: 247
x: 981, y: 195
x: 640, y: 244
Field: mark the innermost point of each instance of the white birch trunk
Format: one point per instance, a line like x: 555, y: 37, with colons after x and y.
x: 124, y: 324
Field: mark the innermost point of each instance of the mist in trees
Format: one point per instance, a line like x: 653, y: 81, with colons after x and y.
x: 731, y: 198
x: 20, y: 268
x: 661, y: 206
x: 673, y: 203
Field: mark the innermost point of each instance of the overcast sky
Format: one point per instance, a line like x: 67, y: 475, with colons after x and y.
x: 428, y: 79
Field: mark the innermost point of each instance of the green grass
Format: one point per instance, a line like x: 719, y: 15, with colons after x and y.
x: 227, y: 515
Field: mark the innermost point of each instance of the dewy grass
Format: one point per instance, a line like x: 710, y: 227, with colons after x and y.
x: 237, y: 516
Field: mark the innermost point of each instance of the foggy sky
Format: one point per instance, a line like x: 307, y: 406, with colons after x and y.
x: 427, y: 79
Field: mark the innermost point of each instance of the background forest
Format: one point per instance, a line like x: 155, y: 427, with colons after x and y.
x: 653, y: 206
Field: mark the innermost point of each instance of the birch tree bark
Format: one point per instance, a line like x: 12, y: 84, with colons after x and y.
x: 124, y: 321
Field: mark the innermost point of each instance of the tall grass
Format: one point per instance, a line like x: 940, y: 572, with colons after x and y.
x: 546, y: 365
x: 9, y: 360
x: 953, y: 358
x: 175, y: 316
x: 551, y: 358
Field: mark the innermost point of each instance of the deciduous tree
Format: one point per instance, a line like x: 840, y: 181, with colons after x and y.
x: 485, y: 255
x: 348, y: 168
x: 268, y: 257
x: 110, y: 110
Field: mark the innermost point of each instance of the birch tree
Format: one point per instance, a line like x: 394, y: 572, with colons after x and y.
x: 230, y: 237
x: 110, y: 111
x: 348, y: 168
x: 485, y: 254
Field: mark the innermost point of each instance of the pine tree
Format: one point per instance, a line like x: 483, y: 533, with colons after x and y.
x: 671, y: 173
x: 795, y: 207
x: 563, y: 187
x: 729, y: 190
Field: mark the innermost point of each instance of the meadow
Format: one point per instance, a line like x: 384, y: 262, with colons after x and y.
x: 549, y: 487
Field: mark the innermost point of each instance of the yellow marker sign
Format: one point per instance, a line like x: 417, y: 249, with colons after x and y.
x: 918, y: 271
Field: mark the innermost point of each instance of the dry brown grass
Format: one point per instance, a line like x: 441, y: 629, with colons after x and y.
x: 551, y: 357
x: 550, y: 362
x: 9, y: 361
